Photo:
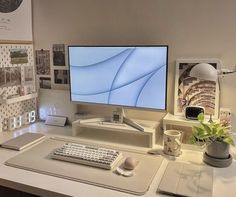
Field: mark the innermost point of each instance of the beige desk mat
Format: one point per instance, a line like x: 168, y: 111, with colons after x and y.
x: 38, y: 159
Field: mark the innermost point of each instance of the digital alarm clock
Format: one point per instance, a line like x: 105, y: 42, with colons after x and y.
x: 192, y: 112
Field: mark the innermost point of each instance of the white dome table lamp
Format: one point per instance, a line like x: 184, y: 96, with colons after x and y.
x: 206, y: 71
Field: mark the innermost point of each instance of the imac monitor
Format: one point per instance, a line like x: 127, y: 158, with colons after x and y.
x: 128, y: 76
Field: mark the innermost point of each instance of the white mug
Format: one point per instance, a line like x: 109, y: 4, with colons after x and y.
x: 172, y: 142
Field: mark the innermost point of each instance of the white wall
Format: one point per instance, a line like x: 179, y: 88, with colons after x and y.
x: 191, y: 28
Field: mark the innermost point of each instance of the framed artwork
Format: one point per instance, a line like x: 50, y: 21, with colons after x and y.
x: 42, y: 62
x: 15, y: 20
x: 193, y: 91
x: 45, y: 82
x: 61, y: 77
x: 58, y: 55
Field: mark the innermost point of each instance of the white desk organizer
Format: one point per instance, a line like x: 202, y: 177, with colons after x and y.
x: 120, y: 133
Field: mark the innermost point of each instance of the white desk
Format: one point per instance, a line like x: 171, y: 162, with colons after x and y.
x: 44, y: 185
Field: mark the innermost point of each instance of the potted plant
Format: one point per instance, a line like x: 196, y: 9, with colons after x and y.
x: 216, y: 138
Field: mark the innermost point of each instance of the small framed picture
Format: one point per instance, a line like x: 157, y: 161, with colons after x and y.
x: 45, y: 82
x: 61, y: 77
x: 43, y: 62
x: 58, y: 55
x: 193, y: 91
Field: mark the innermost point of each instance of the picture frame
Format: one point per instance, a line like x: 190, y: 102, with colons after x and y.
x: 42, y: 60
x: 60, y: 79
x: 58, y: 52
x: 44, y: 82
x: 61, y: 76
x: 197, y: 92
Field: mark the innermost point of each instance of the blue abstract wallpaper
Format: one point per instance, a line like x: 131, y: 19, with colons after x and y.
x: 126, y: 76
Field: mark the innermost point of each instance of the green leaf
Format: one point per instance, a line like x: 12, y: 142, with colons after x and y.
x: 200, y: 117
x: 206, y: 127
x: 226, y: 130
x: 220, y: 132
x: 198, y: 132
x: 214, y: 131
x: 229, y: 140
x: 217, y: 125
x: 205, y: 136
x: 193, y: 140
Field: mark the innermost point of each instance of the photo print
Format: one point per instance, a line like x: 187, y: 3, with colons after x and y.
x: 58, y: 54
x: 28, y: 74
x: 15, y: 75
x: 19, y: 56
x: 61, y: 77
x: 42, y: 62
x: 191, y: 91
x: 10, y: 76
x: 45, y: 82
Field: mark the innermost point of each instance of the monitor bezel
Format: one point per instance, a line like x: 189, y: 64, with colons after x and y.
x: 121, y: 106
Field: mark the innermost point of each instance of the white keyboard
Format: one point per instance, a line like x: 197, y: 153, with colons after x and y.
x: 87, y: 155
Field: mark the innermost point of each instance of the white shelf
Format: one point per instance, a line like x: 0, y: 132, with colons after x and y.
x: 18, y: 99
x: 170, y: 119
x: 125, y: 133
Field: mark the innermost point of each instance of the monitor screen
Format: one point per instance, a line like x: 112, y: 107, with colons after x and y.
x: 128, y: 76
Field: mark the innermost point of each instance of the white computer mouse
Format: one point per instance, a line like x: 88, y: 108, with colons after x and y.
x: 130, y: 163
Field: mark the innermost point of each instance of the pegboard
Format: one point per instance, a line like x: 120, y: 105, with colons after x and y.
x: 17, y: 108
